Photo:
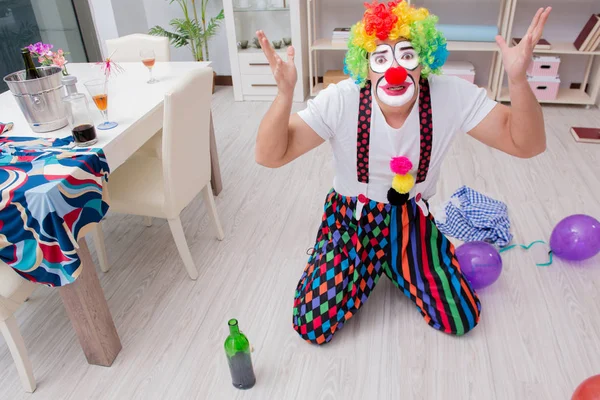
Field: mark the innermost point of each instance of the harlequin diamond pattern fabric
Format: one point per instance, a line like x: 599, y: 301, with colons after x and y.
x: 49, y: 192
x: 341, y: 271
x: 351, y: 254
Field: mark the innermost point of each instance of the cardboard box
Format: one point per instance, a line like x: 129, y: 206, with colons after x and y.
x: 333, y: 76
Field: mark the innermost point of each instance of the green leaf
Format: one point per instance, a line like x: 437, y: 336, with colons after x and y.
x: 189, y: 31
x: 176, y: 39
x: 213, y: 24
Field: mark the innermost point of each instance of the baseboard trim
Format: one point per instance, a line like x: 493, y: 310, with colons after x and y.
x: 223, y: 80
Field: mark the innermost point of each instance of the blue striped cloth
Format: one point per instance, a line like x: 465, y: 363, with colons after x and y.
x: 471, y: 216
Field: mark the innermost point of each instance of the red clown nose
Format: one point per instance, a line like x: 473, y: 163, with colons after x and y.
x: 395, y: 76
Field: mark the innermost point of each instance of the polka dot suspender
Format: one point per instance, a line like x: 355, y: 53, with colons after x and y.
x: 363, y: 132
x: 426, y: 129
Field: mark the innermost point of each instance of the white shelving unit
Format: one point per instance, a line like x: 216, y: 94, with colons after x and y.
x: 250, y: 71
x: 565, y: 95
x: 318, y: 45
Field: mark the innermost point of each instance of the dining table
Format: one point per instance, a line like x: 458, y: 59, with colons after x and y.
x: 52, y: 193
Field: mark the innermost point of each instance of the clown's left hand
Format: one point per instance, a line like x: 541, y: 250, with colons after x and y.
x: 516, y: 59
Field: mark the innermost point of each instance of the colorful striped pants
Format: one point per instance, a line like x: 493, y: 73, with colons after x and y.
x: 350, y: 256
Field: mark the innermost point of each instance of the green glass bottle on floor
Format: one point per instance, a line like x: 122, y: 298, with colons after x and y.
x: 237, y: 349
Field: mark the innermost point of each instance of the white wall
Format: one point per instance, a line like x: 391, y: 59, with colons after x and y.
x: 130, y: 16
x: 104, y: 21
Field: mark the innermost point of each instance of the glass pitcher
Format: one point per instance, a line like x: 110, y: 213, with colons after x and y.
x: 80, y: 120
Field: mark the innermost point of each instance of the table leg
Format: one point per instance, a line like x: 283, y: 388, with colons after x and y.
x: 215, y: 174
x: 89, y: 314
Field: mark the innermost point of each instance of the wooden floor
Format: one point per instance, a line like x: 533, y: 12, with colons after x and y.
x: 539, y: 335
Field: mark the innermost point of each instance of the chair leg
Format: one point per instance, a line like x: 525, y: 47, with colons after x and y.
x: 182, y: 246
x: 148, y: 221
x: 212, y: 208
x: 16, y: 345
x: 100, y: 247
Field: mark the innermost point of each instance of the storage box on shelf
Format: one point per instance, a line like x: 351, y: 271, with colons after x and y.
x: 543, y: 78
x: 544, y: 66
x: 545, y: 88
x: 284, y: 23
x: 566, y: 95
x: 461, y: 69
x: 333, y: 76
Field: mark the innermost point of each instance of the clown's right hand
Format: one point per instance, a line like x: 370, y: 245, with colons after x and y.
x: 284, y: 71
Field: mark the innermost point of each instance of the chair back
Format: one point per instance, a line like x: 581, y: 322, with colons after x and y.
x: 127, y: 48
x: 186, y: 141
x: 14, y: 290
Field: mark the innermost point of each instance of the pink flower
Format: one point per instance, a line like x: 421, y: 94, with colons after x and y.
x: 59, y: 60
x: 40, y: 49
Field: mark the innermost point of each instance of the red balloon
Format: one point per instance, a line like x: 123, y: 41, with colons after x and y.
x: 395, y: 76
x: 588, y: 389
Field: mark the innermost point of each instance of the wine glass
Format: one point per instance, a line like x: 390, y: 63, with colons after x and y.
x: 98, y: 89
x: 148, y: 59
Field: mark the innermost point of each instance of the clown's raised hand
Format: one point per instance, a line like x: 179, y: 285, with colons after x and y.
x: 516, y: 59
x: 284, y: 71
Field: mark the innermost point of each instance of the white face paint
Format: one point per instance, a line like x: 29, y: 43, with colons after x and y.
x: 382, y: 59
x: 406, y: 56
x: 395, y: 95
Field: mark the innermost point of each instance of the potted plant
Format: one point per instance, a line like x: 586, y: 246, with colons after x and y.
x: 190, y: 30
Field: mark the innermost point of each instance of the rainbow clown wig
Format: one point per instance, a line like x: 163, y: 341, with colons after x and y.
x: 395, y: 20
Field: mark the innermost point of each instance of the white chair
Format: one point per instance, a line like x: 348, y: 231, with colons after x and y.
x: 127, y: 48
x: 14, y: 290
x: 163, y: 187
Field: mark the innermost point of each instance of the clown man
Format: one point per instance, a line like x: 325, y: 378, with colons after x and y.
x: 390, y: 125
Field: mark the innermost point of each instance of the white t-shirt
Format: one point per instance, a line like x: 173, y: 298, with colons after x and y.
x: 457, y: 106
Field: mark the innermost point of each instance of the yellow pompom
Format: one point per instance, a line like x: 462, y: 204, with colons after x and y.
x: 403, y: 183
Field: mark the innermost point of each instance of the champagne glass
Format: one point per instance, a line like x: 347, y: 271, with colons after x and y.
x: 148, y: 59
x: 98, y: 89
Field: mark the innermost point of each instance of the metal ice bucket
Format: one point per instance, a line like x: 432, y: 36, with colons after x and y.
x: 40, y: 99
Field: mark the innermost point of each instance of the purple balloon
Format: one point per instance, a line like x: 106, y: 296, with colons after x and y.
x: 576, y: 238
x: 480, y: 263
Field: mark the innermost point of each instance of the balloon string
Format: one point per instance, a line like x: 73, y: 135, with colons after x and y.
x: 527, y: 247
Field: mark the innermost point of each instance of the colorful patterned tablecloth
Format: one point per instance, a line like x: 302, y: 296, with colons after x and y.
x: 49, y: 191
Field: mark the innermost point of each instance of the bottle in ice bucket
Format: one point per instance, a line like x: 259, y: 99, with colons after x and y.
x: 237, y: 349
x: 30, y: 69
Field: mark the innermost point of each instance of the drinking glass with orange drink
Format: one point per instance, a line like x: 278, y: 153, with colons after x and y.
x: 148, y: 59
x: 98, y: 89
